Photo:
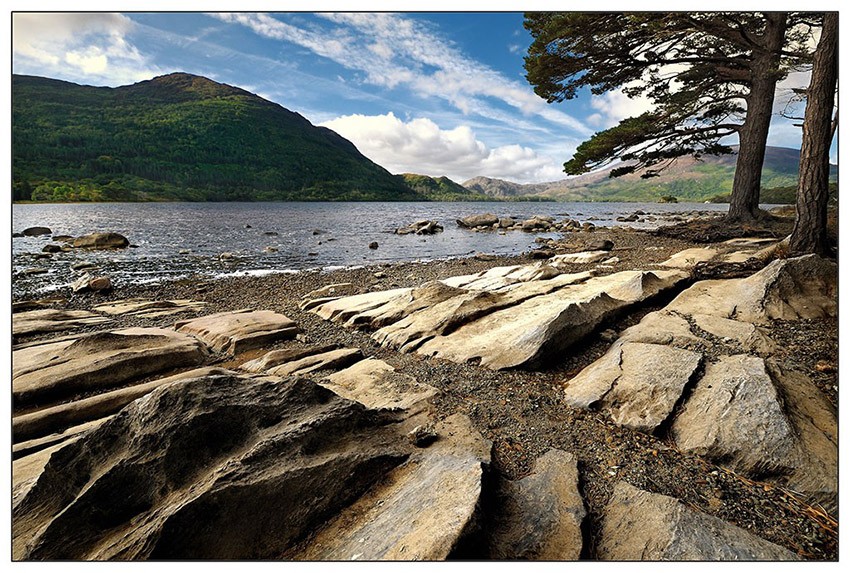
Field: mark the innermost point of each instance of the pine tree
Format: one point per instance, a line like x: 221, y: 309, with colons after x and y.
x: 708, y: 75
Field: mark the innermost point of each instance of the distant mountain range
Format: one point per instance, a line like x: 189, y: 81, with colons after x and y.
x: 687, y: 180
x: 182, y: 137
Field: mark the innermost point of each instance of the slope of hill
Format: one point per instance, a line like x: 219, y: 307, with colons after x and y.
x: 441, y: 188
x: 179, y: 137
x: 687, y: 179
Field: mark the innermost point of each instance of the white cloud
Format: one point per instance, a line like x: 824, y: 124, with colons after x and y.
x: 421, y: 146
x: 615, y: 106
x: 391, y: 50
x: 90, y: 47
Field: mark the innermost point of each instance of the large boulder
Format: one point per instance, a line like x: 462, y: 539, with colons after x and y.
x: 220, y: 467
x: 101, y: 241
x: 540, y: 516
x: 643, y: 526
x: 239, y: 330
x: 56, y: 370
x: 484, y: 220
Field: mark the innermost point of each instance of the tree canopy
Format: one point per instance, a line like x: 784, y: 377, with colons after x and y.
x: 708, y: 75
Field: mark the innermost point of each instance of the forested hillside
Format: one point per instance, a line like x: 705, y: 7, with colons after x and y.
x: 179, y: 137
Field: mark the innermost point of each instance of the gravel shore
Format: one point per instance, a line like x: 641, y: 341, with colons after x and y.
x: 523, y: 413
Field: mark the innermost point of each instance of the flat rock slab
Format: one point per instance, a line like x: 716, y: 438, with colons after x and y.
x: 759, y: 420
x: 331, y: 360
x: 529, y: 333
x: 419, y: 512
x: 643, y: 526
x: 735, y: 414
x: 278, y: 357
x: 56, y: 418
x: 145, y: 308
x: 52, y: 320
x: 502, y: 318
x: 240, y: 330
x: 637, y: 384
x: 33, y: 446
x: 377, y: 385
x: 221, y: 467
x: 582, y: 258
x: 789, y: 289
x: 744, y: 411
x: 55, y: 370
x: 689, y: 258
x: 540, y: 515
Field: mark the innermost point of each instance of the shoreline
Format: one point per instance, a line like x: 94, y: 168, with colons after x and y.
x: 522, y: 412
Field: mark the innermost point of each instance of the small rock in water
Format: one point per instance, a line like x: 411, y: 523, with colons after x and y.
x: 248, y: 226
x: 51, y: 248
x: 373, y: 245
x: 183, y: 252
x: 317, y: 231
x: 36, y: 231
x: 35, y: 271
x: 226, y: 256
x: 271, y: 233
x: 270, y: 249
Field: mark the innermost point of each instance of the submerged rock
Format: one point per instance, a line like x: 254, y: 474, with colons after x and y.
x: 425, y: 227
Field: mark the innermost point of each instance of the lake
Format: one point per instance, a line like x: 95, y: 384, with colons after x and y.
x: 177, y: 240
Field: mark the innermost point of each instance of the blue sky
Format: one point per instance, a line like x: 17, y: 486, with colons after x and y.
x: 431, y: 93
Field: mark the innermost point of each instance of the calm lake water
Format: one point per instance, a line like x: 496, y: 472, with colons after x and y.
x: 306, y: 235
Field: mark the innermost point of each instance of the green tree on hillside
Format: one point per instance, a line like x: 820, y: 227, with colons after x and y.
x: 708, y: 74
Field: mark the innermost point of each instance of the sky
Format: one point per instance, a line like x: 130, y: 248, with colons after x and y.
x: 430, y: 93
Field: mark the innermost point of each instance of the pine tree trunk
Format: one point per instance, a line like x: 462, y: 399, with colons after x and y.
x: 746, y: 186
x: 809, y: 235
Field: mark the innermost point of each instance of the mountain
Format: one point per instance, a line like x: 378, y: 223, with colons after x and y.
x: 179, y: 137
x: 687, y: 179
x: 441, y: 188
